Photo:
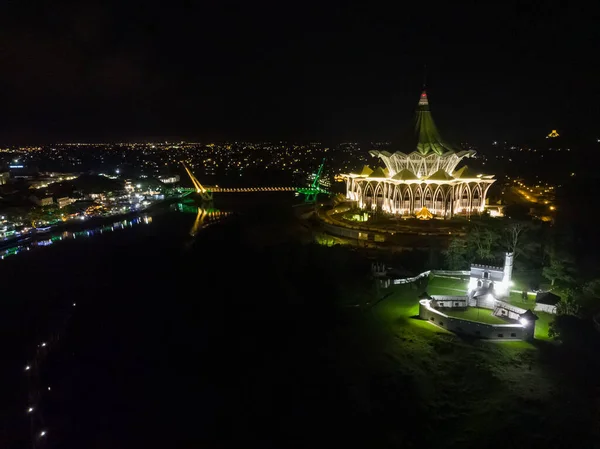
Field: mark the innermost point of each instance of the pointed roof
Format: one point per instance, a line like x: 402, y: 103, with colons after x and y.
x: 465, y: 173
x: 378, y: 173
x: 405, y: 175
x: 366, y: 171
x: 440, y: 175
x: 428, y: 137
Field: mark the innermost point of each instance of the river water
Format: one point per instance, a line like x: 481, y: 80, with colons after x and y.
x: 107, y: 318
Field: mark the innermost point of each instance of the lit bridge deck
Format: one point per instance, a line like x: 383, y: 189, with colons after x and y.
x: 206, y: 192
x: 245, y: 189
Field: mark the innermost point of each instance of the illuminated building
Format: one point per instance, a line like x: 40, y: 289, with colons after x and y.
x: 485, y: 279
x: 42, y: 200
x: 552, y: 134
x: 424, y: 178
x: 172, y: 179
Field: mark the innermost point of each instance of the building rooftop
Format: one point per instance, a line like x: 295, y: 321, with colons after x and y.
x: 547, y: 298
x: 428, y: 137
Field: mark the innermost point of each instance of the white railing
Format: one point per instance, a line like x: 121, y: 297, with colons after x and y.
x: 412, y: 279
x: 441, y: 273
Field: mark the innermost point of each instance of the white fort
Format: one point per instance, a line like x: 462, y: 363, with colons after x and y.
x: 424, y: 181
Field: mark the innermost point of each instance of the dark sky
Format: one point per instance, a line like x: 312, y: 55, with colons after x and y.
x: 109, y: 70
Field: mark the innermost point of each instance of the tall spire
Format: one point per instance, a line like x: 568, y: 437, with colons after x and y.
x: 423, y: 99
x: 428, y: 137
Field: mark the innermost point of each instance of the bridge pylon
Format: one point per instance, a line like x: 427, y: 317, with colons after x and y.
x: 205, y: 194
x: 311, y: 192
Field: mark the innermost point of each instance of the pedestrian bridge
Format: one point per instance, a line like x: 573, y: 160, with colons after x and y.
x: 216, y: 189
x: 206, y: 192
x: 250, y: 189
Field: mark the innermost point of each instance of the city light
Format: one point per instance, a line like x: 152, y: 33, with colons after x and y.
x: 30, y: 409
x: 27, y: 368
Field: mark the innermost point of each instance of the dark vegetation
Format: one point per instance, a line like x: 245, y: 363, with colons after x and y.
x: 250, y: 338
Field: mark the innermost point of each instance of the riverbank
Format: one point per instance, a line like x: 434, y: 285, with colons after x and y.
x: 76, y: 225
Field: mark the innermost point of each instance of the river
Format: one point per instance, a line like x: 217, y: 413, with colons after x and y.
x: 98, y: 312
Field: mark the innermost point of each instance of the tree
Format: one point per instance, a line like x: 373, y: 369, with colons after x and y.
x: 512, y: 234
x: 483, y: 241
x: 558, y: 270
x: 456, y: 254
x: 590, y: 296
x: 568, y: 306
x: 36, y: 214
x: 567, y: 329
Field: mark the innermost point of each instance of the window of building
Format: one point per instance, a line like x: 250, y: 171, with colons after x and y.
x: 486, y: 275
x: 455, y: 304
x: 432, y: 319
x: 441, y: 323
x: 513, y: 334
x: 500, y: 335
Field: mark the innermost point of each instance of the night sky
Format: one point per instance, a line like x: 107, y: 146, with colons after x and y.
x: 94, y: 71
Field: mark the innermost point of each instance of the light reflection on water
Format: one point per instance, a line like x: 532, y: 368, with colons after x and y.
x: 68, y: 235
x: 203, y: 219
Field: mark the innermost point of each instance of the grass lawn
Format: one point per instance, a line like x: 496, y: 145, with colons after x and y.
x: 447, y: 286
x: 458, y: 384
x: 542, y: 324
x: 424, y: 385
x: 475, y: 314
x: 516, y: 300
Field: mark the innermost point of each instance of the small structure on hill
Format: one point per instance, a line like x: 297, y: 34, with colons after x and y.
x: 491, y: 279
x: 546, y: 302
x: 378, y: 269
x: 505, y: 310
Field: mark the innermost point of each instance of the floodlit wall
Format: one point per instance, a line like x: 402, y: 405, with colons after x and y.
x: 474, y: 328
x: 443, y: 273
x: 427, y: 273
x: 496, y: 274
x: 412, y: 279
x: 446, y: 301
x: 545, y: 308
x: 487, y: 302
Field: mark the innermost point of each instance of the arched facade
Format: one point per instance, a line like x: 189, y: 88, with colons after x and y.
x: 424, y: 178
x: 442, y: 198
